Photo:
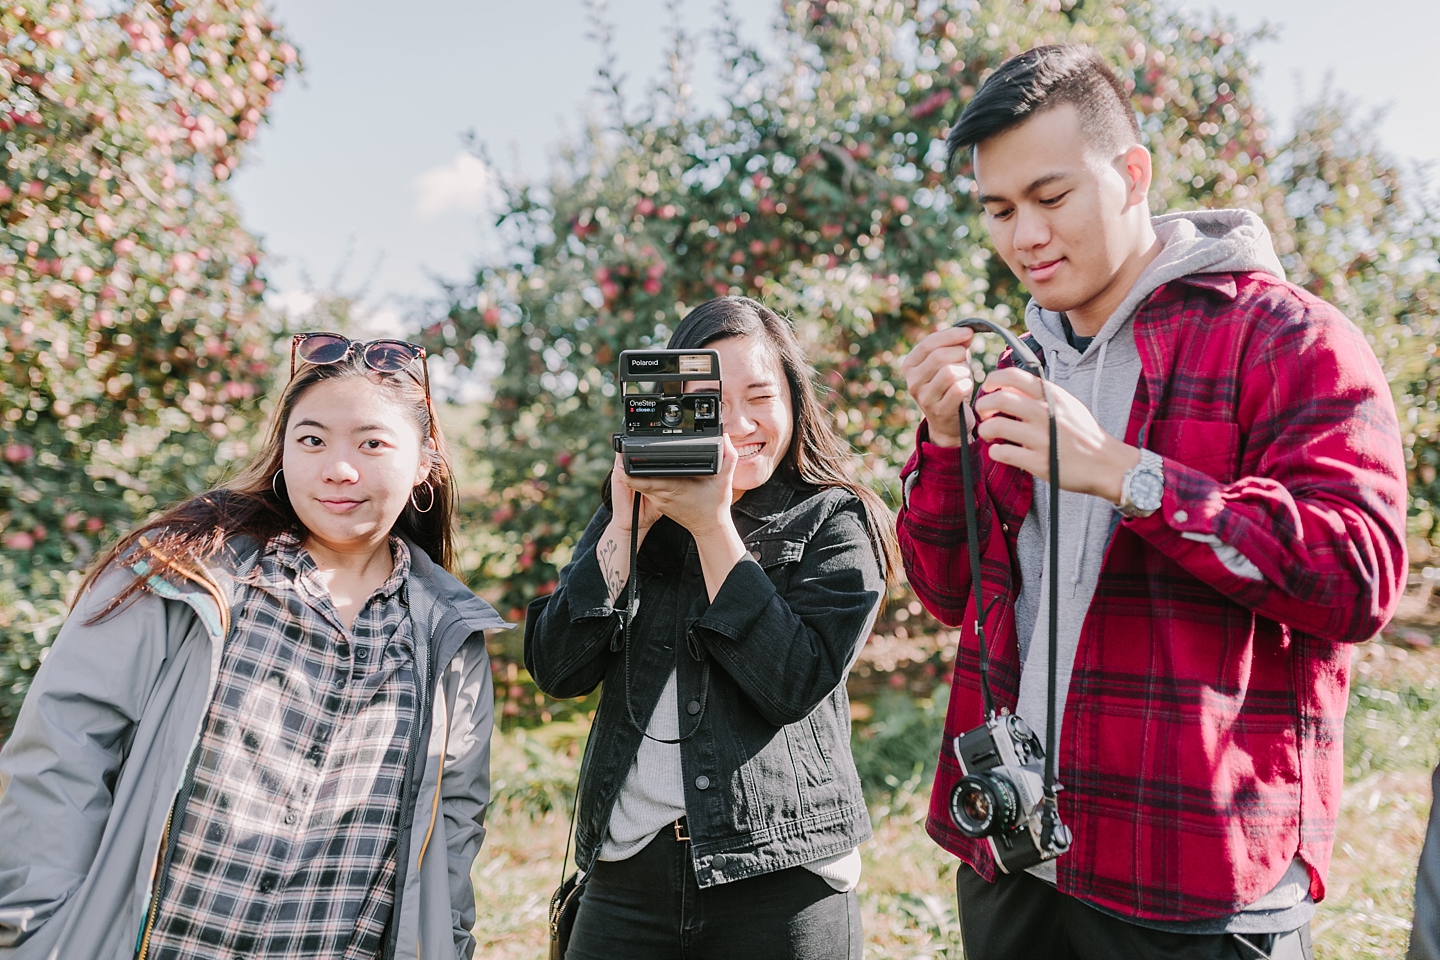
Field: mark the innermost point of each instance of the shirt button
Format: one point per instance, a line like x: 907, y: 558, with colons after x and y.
x: 267, y: 884
x: 340, y: 683
x: 702, y: 783
x: 361, y: 654
x: 693, y: 707
x: 718, y: 861
x: 290, y: 818
x: 1180, y: 516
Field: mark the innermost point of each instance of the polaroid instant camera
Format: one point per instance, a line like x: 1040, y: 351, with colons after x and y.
x: 666, y: 431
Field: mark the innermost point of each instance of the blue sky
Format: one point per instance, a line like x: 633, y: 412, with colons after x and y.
x: 361, y: 179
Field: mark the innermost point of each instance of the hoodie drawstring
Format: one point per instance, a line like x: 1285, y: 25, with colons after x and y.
x: 1089, y: 507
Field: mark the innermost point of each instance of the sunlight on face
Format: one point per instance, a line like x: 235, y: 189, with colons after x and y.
x: 758, y: 414
x: 352, y: 458
x: 1056, y: 210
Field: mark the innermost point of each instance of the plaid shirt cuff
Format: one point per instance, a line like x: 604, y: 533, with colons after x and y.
x: 1193, y: 503
x: 1191, y: 528
x: 935, y: 472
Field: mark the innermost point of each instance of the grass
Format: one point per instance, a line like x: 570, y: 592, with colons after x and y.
x: 1390, y: 749
x: 907, y: 891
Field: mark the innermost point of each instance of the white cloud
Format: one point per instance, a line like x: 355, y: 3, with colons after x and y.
x: 291, y: 304
x: 463, y: 185
x: 376, y: 322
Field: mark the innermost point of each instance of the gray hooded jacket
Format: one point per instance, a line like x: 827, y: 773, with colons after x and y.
x: 103, y: 743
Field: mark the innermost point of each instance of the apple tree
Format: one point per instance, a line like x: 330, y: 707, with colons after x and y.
x: 821, y: 188
x: 132, y: 342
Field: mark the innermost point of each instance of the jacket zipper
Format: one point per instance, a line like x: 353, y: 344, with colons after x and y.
x: 155, y: 894
x: 439, y: 777
x: 187, y: 786
x: 416, y: 767
x: 168, y: 841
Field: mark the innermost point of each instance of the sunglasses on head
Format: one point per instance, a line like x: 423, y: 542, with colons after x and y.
x: 383, y: 356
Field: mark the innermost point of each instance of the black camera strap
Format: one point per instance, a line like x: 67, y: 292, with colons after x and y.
x: 967, y: 474
x: 632, y: 608
x: 1026, y: 359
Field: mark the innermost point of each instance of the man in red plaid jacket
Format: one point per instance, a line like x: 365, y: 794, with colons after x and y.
x: 1231, y: 520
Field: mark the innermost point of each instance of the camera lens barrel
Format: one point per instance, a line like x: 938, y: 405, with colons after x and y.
x: 982, y: 805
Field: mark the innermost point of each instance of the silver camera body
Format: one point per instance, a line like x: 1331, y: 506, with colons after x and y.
x: 1001, y: 795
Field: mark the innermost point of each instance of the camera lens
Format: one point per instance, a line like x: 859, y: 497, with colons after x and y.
x: 671, y: 414
x: 982, y: 805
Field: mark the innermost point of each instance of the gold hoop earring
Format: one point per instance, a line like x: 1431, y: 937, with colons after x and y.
x: 275, y: 489
x: 431, y: 505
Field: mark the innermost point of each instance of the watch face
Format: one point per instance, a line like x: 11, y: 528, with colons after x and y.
x: 1146, y: 490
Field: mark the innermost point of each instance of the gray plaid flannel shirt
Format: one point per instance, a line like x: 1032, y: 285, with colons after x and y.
x: 287, y: 843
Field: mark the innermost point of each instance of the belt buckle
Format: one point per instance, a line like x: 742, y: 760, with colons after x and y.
x: 681, y: 835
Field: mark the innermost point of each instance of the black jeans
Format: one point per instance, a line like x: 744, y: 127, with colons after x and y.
x: 649, y: 907
x: 1022, y: 917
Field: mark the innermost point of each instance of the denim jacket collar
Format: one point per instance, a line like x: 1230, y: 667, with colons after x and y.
x: 770, y: 499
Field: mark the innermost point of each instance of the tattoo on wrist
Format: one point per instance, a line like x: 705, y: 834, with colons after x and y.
x: 606, y: 554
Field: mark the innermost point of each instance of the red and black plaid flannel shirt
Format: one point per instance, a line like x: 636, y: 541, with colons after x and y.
x: 1201, y: 748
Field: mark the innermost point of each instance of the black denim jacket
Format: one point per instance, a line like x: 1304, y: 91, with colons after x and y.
x: 769, y: 779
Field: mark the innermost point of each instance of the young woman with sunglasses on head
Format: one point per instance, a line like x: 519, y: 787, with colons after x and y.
x: 719, y: 811
x: 264, y: 729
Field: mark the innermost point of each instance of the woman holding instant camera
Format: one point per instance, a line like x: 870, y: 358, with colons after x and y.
x: 719, y: 809
x: 264, y: 729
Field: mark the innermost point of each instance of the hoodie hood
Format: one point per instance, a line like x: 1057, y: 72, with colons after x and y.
x: 1196, y: 241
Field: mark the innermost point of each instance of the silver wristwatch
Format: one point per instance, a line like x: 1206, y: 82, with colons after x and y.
x: 1143, y: 486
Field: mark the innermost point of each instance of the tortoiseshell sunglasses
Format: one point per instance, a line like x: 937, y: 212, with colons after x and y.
x: 384, y: 356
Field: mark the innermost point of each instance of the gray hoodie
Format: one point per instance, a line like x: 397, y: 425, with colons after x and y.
x: 1104, y: 379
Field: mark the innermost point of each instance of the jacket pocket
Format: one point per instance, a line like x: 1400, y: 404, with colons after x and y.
x: 775, y: 553
x: 1212, y: 448
x: 777, y: 557
x: 812, y: 762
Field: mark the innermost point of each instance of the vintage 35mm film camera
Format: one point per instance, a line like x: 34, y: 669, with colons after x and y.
x: 668, y: 432
x: 1001, y: 795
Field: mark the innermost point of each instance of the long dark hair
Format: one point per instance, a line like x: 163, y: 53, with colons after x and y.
x: 817, y: 456
x: 178, y: 541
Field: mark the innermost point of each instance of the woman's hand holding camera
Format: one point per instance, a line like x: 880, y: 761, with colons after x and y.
x: 699, y: 504
x: 622, y: 495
